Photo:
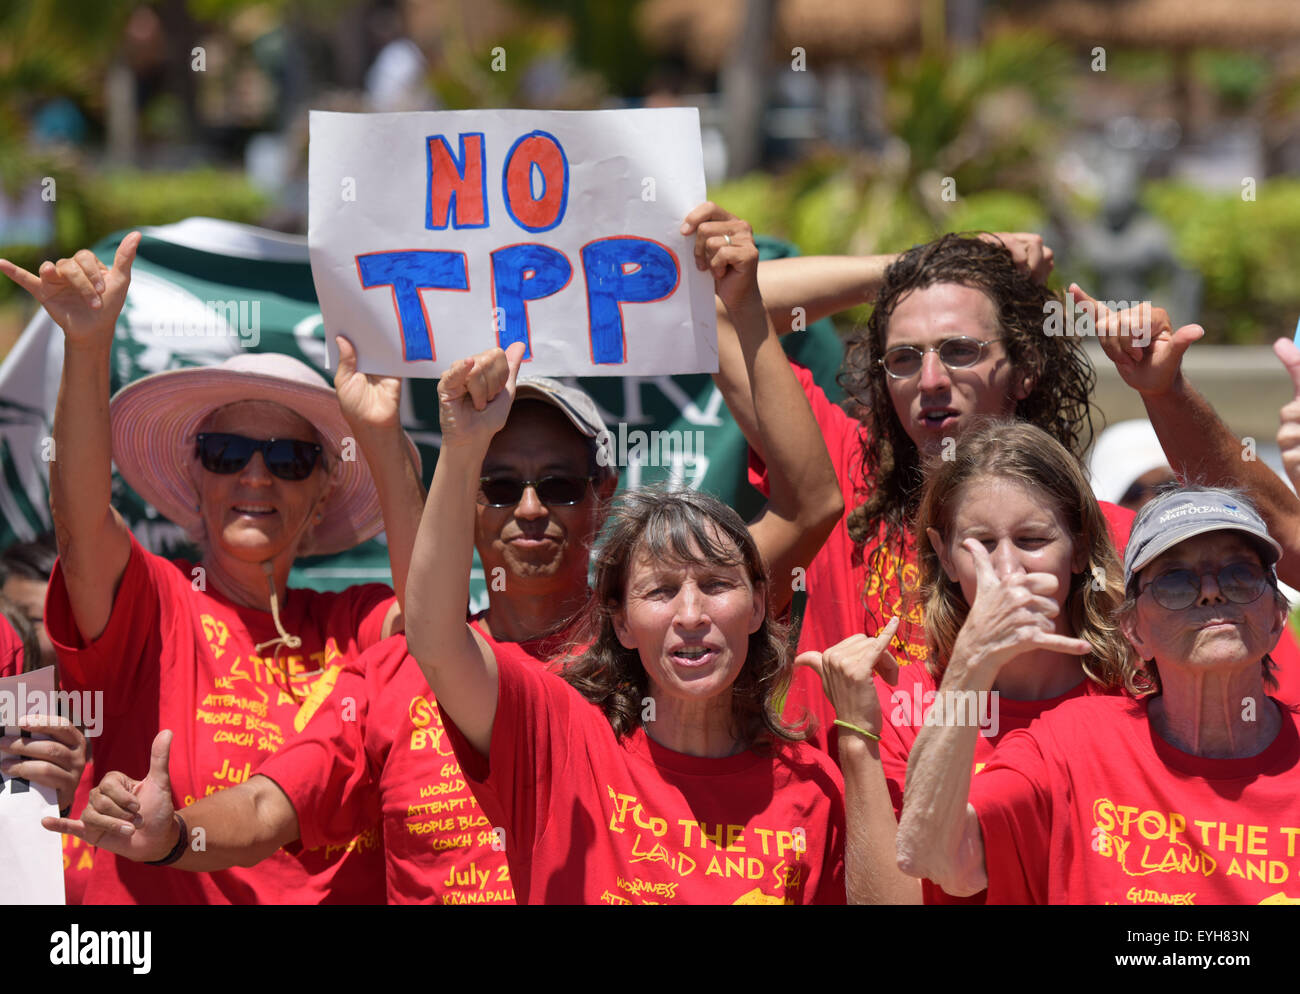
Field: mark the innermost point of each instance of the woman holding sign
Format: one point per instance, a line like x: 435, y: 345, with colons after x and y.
x: 656, y: 769
x: 253, y: 458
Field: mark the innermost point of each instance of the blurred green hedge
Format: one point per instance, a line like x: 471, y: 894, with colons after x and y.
x: 89, y: 206
x: 1244, y: 251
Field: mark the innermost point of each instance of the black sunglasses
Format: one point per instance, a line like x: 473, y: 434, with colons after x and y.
x: 904, y: 361
x: 506, y: 491
x: 287, y: 458
x: 1240, y: 583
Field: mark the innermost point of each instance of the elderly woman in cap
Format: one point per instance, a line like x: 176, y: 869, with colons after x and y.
x: 1184, y: 796
x: 255, y: 459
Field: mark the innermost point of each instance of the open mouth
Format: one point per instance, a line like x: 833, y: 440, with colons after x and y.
x: 694, y: 655
x: 938, y: 417
x: 254, y: 510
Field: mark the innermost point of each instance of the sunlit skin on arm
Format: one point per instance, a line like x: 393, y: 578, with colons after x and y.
x: 240, y: 826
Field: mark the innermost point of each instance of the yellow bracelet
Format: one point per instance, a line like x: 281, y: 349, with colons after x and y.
x: 861, y: 731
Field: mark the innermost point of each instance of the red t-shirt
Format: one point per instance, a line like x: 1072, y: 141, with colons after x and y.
x: 1091, y: 806
x: 78, y: 856
x: 11, y: 649
x: 843, y: 598
x: 377, y: 751
x: 592, y: 820
x: 904, y: 709
x: 175, y: 657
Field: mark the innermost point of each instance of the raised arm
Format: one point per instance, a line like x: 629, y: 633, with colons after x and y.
x: 802, y: 289
x: 240, y: 826
x: 1148, y: 354
x: 372, y: 405
x: 805, y: 500
x: 939, y: 835
x: 84, y: 297
x: 871, y: 868
x: 474, y: 398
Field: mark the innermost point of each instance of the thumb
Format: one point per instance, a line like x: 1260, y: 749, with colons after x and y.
x: 1185, y: 337
x: 347, y: 360
x: 811, y: 659
x: 1286, y: 350
x: 514, y: 359
x: 159, y: 757
x: 124, y: 258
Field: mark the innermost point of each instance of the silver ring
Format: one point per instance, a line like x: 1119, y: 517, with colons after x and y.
x: 728, y: 238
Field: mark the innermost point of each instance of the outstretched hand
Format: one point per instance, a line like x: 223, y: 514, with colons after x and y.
x: 1011, y: 615
x: 81, y: 294
x: 846, y: 672
x: 133, y: 818
x: 475, y: 395
x: 1141, y: 341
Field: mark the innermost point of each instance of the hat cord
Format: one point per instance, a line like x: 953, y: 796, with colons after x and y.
x: 285, y: 640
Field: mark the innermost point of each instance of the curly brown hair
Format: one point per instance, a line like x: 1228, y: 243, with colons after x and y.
x: 1058, y: 401
x: 688, y: 527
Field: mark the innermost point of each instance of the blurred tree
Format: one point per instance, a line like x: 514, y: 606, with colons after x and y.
x: 605, y: 39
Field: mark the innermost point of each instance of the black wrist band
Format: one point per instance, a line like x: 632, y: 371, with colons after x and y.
x: 178, y: 850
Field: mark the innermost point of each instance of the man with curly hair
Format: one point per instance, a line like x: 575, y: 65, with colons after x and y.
x: 956, y: 334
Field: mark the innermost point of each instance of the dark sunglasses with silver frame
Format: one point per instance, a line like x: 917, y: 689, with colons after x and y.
x: 559, y: 491
x: 286, y: 458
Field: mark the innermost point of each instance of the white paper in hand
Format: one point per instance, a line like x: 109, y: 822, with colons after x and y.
x: 31, y: 858
x: 435, y: 236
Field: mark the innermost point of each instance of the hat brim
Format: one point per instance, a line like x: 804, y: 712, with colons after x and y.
x: 1268, y: 546
x: 154, y: 421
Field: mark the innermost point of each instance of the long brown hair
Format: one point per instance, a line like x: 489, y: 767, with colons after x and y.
x: 1012, y: 450
x: 688, y: 527
x: 1058, y: 401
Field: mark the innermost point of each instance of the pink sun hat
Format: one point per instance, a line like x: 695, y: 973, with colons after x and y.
x: 155, y: 419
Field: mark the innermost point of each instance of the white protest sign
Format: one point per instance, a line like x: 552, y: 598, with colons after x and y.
x: 434, y: 236
x: 31, y: 859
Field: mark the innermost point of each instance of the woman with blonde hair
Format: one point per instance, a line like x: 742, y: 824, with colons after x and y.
x: 1015, y: 498
x: 1106, y: 799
